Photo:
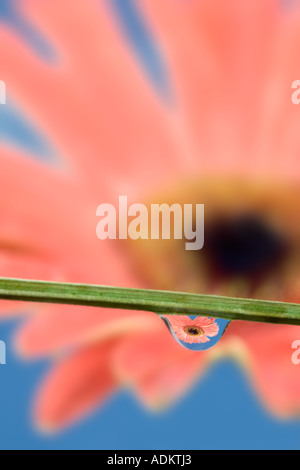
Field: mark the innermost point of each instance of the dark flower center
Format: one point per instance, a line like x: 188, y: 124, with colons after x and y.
x: 243, y: 245
x: 193, y: 331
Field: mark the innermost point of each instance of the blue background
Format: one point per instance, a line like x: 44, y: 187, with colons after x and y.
x: 221, y: 412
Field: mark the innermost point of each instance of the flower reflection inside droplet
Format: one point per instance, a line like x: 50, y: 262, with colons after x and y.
x: 194, y: 332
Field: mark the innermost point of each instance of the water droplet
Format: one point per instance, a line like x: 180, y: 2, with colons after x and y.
x: 194, y: 332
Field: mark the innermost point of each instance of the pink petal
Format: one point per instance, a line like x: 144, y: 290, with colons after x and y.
x: 211, y: 330
x: 269, y: 357
x: 203, y: 321
x: 178, y: 321
x: 61, y: 327
x: 77, y: 107
x: 74, y: 387
x: 246, y: 44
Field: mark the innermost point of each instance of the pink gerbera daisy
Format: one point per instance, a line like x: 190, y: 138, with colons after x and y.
x: 198, y: 330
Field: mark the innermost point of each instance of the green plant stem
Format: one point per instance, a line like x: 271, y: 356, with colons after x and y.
x: 159, y: 302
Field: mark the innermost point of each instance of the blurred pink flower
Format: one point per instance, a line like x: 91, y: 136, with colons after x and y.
x: 231, y: 66
x: 198, y: 330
